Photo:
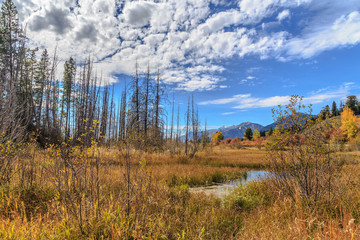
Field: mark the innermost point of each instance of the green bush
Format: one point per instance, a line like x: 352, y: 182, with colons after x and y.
x: 250, y: 196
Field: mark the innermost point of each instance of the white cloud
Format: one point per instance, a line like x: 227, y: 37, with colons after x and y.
x: 257, y: 10
x: 226, y: 100
x: 344, y: 31
x: 283, y: 15
x: 138, y: 13
x: 246, y: 101
x: 227, y: 113
x: 187, y: 40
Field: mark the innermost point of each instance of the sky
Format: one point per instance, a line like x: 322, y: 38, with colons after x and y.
x: 238, y: 58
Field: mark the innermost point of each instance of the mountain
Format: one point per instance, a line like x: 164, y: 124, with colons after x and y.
x: 239, y: 130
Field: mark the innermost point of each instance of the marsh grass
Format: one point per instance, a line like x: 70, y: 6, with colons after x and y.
x: 159, y: 204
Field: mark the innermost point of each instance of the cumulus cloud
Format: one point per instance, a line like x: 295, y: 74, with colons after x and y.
x: 55, y: 20
x: 187, y: 40
x: 87, y: 31
x: 138, y: 13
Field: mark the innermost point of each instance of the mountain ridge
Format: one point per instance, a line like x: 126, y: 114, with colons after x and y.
x: 239, y: 130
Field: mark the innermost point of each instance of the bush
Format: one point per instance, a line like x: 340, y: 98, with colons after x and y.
x: 301, y: 160
x: 235, y: 140
x: 250, y: 196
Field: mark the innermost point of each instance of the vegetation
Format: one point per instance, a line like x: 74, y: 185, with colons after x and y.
x: 248, y: 134
x: 302, y: 163
x: 74, y: 164
x: 349, y: 122
x: 256, y: 134
x: 217, y: 137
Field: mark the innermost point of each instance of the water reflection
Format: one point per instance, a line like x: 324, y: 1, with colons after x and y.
x: 221, y: 190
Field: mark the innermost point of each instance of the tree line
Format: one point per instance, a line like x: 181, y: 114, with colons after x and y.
x: 79, y: 107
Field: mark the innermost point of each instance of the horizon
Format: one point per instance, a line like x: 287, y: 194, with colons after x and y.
x: 238, y: 58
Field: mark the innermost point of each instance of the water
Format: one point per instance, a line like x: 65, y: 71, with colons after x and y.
x: 221, y: 190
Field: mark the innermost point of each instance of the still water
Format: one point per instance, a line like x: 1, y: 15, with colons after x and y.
x: 221, y: 190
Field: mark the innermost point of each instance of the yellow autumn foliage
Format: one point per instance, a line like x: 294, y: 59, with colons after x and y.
x: 217, y: 137
x: 349, y: 122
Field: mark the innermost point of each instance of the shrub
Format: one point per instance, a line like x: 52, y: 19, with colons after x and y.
x: 250, y: 196
x: 301, y: 160
x: 235, y: 140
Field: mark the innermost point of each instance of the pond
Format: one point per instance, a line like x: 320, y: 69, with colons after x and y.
x: 221, y: 190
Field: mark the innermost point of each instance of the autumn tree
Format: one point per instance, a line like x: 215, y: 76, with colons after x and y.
x: 217, y: 137
x: 256, y: 134
x: 349, y: 122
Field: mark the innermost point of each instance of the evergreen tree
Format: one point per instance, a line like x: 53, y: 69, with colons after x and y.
x: 41, y: 82
x: 14, y: 107
x: 334, y: 110
x: 248, y: 134
x: 325, y: 112
x: 67, y: 97
x: 352, y: 103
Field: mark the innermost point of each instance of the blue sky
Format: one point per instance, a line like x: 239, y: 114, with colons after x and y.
x: 238, y: 58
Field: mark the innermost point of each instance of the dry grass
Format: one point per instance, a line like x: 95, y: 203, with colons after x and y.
x: 224, y: 156
x: 161, y: 206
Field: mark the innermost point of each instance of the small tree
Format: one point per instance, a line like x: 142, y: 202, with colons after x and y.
x: 270, y: 132
x: 217, y: 137
x: 334, y: 109
x: 302, y: 163
x: 248, y: 134
x: 324, y: 113
x: 256, y: 134
x: 349, y: 122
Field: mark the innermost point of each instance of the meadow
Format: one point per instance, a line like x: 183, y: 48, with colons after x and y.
x: 117, y: 193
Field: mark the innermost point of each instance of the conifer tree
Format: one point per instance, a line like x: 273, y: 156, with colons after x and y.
x: 67, y: 98
x: 248, y: 134
x: 334, y: 110
x: 41, y: 83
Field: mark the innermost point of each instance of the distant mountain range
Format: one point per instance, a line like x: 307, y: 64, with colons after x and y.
x: 239, y: 130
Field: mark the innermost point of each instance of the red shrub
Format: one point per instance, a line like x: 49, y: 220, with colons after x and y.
x: 235, y: 140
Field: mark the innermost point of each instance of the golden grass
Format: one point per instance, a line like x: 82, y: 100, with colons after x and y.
x: 161, y: 206
x: 224, y: 156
